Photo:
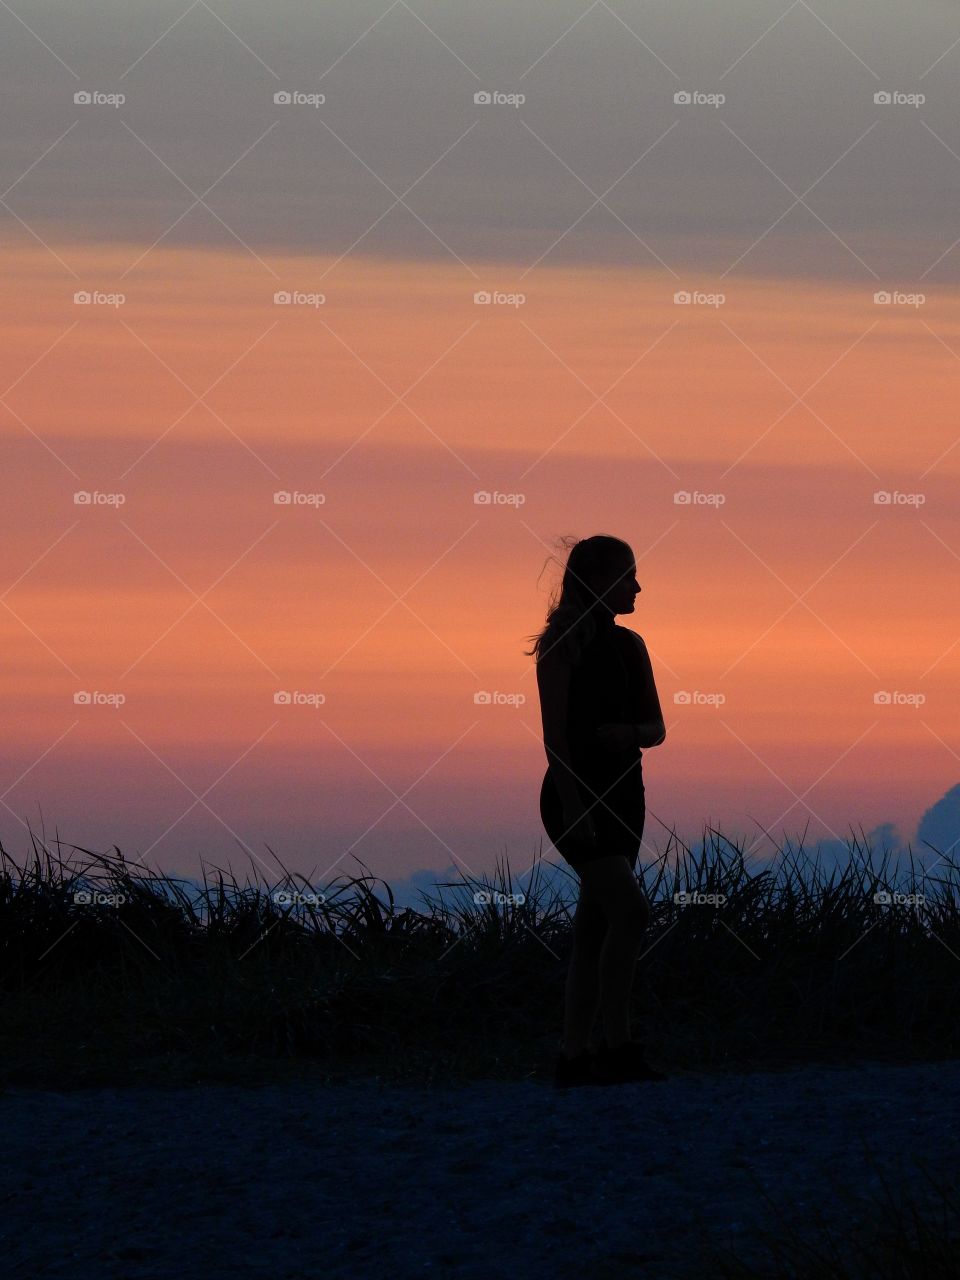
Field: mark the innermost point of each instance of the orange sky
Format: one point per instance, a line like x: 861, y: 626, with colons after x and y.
x: 305, y: 399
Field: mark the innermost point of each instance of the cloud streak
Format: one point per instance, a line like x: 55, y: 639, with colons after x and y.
x: 798, y: 172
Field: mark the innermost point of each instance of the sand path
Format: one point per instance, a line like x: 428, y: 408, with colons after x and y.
x: 481, y: 1182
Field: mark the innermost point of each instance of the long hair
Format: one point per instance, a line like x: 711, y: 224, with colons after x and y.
x: 588, y: 571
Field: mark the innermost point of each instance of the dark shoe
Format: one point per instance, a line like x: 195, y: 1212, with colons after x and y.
x: 624, y: 1064
x: 577, y: 1070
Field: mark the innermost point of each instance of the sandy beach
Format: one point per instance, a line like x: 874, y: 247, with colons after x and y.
x: 485, y: 1181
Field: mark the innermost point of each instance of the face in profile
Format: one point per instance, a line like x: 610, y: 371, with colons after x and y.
x: 622, y: 592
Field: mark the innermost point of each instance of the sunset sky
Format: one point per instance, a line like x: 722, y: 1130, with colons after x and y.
x: 184, y: 398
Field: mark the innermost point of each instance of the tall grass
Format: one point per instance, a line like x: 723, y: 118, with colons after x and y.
x: 158, y: 979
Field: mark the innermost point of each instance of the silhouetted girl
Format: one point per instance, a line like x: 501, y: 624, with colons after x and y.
x: 599, y: 706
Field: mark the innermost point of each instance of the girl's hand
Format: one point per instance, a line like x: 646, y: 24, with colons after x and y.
x: 617, y: 737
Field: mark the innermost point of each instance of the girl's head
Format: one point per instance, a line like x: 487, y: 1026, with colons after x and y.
x: 599, y: 574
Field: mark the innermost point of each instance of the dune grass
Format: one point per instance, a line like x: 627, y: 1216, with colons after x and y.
x: 150, y: 979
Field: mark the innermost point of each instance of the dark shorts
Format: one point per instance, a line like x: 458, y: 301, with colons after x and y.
x: 618, y: 817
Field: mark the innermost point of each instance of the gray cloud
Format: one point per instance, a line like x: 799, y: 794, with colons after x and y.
x: 199, y: 82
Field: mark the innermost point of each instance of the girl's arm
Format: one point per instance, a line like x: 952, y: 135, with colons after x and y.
x: 652, y: 731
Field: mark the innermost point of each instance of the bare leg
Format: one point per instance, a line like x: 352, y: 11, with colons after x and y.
x: 616, y: 971
x: 582, y: 991
x: 612, y: 883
